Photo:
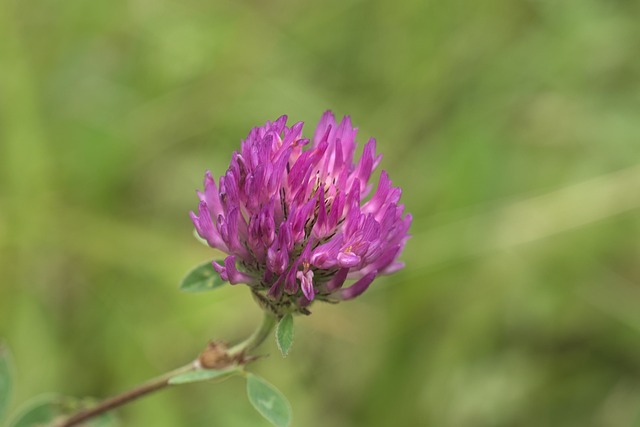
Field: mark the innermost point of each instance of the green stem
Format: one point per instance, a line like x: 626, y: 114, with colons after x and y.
x: 269, y: 320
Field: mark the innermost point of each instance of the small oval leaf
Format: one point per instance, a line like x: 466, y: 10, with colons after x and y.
x: 202, y: 278
x: 268, y: 401
x: 203, y: 375
x: 284, y: 334
x: 40, y: 410
x: 37, y: 412
x: 46, y: 409
x: 104, y: 420
x: 6, y: 379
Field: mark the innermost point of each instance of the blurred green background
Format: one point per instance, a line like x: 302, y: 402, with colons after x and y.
x: 512, y: 126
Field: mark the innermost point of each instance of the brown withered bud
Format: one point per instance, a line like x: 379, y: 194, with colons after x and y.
x: 216, y: 356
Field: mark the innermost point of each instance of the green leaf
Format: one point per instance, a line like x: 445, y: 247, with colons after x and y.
x: 39, y: 411
x: 284, y: 334
x: 202, y: 278
x: 199, y: 239
x: 44, y: 410
x: 268, y: 401
x: 104, y: 420
x: 6, y: 379
x: 203, y: 375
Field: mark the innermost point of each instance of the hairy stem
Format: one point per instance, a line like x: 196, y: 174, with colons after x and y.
x: 250, y: 344
x: 126, y: 397
x: 268, y: 322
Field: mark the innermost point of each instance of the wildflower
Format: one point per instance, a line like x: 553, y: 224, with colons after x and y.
x: 294, y: 218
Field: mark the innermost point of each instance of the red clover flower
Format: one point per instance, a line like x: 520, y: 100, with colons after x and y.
x: 296, y: 223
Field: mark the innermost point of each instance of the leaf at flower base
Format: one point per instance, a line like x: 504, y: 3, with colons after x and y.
x: 45, y: 409
x: 202, y: 278
x: 199, y: 239
x: 6, y: 380
x: 203, y: 375
x: 268, y: 401
x: 284, y: 334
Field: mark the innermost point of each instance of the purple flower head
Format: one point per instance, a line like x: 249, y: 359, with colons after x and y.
x: 298, y: 217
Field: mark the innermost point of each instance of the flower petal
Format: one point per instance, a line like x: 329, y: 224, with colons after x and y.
x: 233, y: 274
x: 357, y: 288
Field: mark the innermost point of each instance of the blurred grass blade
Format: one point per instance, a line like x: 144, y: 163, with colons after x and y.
x: 202, y: 278
x: 6, y: 379
x: 203, y: 375
x: 268, y: 401
x: 284, y: 334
